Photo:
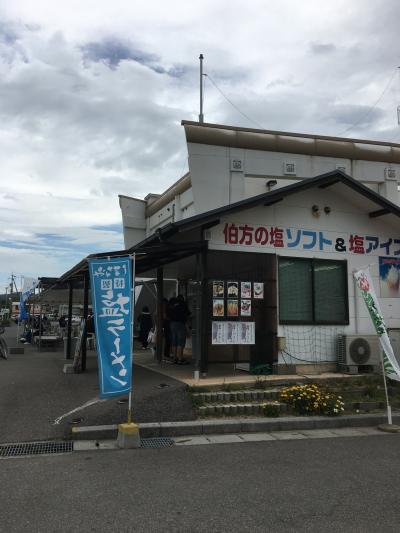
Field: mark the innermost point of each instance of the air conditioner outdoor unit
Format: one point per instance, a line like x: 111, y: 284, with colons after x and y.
x: 357, y: 352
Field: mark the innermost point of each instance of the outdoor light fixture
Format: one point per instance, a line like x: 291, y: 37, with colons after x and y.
x: 271, y: 183
x: 315, y: 211
x: 327, y: 209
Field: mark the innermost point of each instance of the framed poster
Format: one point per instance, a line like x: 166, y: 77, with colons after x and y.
x: 218, y: 307
x: 218, y: 289
x: 245, y: 307
x: 232, y: 307
x: 233, y: 289
x: 245, y: 289
x: 258, y: 290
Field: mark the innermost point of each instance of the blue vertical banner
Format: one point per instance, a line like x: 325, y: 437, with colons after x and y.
x: 111, y: 284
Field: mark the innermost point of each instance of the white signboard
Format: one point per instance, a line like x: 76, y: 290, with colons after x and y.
x: 233, y: 333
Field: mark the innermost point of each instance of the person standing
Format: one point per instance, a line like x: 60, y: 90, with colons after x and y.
x: 145, y: 323
x: 166, y: 329
x: 179, y: 314
x: 63, y: 325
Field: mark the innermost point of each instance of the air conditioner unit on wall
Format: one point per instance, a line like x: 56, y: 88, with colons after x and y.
x: 358, y: 353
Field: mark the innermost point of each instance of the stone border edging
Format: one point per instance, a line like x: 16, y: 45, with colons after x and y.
x: 239, y: 425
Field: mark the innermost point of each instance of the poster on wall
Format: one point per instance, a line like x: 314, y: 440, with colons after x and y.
x: 218, y: 307
x: 245, y: 289
x: 258, y: 290
x: 233, y: 289
x: 218, y: 289
x: 245, y: 307
x: 389, y: 277
x: 232, y: 307
x: 247, y: 333
x: 233, y: 333
x: 218, y: 333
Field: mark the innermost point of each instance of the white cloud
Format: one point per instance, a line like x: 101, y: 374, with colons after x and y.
x: 92, y: 94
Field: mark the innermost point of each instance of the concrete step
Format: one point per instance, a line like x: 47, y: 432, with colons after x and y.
x: 236, y: 425
x: 238, y: 409
x: 236, y: 396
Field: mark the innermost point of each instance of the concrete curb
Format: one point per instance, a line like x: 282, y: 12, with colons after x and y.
x: 238, y: 425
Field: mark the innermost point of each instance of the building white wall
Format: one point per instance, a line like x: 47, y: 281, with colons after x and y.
x: 347, y: 216
x: 216, y: 181
x: 211, y: 170
x: 133, y: 213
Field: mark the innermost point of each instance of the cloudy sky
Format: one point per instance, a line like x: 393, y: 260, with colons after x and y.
x: 92, y: 94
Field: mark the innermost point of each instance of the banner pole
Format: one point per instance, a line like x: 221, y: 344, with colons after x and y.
x: 133, y: 259
x: 388, y: 407
x: 19, y: 314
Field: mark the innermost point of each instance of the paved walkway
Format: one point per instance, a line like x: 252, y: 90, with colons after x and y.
x: 34, y: 392
x: 225, y: 373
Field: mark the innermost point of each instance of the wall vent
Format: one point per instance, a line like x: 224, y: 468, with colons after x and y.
x: 236, y: 165
x: 289, y: 168
x: 390, y: 173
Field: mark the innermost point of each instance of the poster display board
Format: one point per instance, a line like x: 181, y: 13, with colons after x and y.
x: 233, y: 332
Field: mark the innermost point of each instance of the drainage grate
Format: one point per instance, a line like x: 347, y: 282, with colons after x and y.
x: 156, y: 442
x: 35, y: 448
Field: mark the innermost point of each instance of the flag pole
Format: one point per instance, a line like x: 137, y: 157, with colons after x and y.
x: 388, y: 407
x: 133, y: 259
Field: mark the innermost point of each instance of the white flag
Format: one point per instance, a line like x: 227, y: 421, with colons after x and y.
x: 29, y: 286
x: 364, y: 283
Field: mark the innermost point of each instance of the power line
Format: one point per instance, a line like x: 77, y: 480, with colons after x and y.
x: 233, y: 105
x: 363, y: 117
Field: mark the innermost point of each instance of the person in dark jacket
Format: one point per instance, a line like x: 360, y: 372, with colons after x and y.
x: 179, y: 314
x: 145, y: 322
x: 166, y: 329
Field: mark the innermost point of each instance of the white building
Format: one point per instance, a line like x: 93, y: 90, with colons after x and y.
x: 292, y: 215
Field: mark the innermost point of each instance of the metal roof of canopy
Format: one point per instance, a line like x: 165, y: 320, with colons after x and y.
x: 148, y: 257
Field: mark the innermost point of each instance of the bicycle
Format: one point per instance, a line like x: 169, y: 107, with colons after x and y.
x: 3, y: 345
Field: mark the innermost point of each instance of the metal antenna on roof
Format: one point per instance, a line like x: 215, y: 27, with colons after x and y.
x: 201, y: 116
x: 398, y: 107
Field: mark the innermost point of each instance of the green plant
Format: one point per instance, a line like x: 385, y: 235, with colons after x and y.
x: 260, y: 383
x: 311, y: 399
x: 197, y: 401
x: 271, y: 410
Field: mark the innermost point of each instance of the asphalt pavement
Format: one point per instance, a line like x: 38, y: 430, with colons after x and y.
x: 34, y: 391
x: 317, y: 485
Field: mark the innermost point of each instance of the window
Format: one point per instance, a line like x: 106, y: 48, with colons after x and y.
x: 312, y: 291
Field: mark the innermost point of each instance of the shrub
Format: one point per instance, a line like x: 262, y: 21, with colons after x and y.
x: 271, y: 410
x: 310, y: 399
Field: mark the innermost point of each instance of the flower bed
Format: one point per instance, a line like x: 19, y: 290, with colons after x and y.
x: 312, y: 400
